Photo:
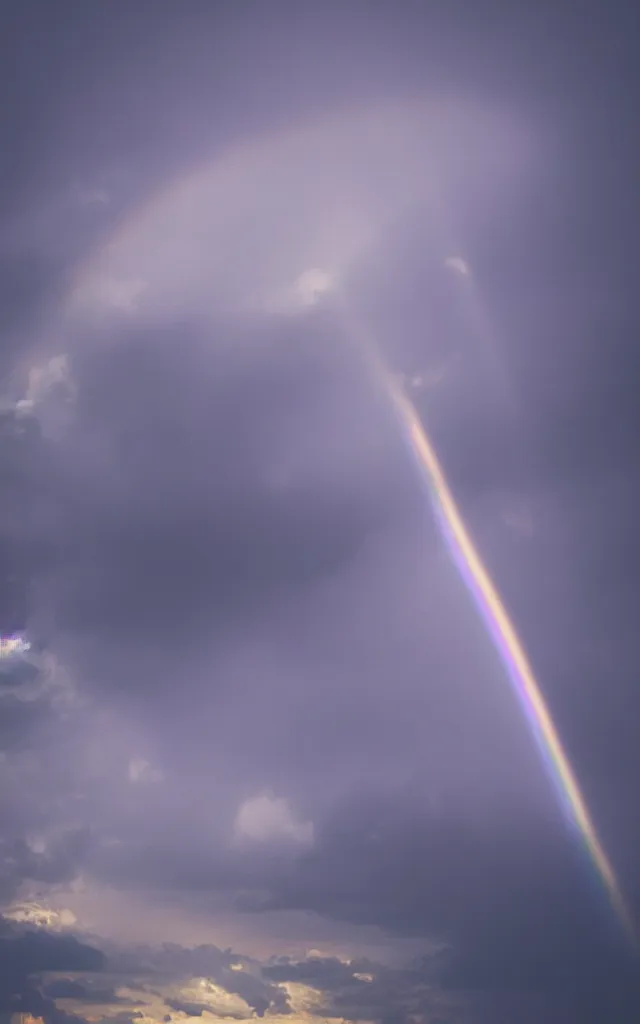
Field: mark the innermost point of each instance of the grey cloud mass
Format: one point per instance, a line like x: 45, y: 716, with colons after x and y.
x: 261, y: 757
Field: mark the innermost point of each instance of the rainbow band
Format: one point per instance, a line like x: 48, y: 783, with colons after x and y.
x: 508, y: 646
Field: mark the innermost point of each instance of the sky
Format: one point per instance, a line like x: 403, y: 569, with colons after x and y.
x: 262, y: 758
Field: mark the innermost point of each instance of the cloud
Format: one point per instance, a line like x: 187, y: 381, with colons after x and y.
x: 231, y: 636
x: 192, y: 981
x: 40, y: 916
x: 312, y: 284
x: 141, y: 772
x: 457, y: 265
x: 26, y: 955
x: 53, y: 373
x: 180, y: 983
x: 451, y: 867
x: 156, y: 982
x: 264, y: 819
x: 203, y: 994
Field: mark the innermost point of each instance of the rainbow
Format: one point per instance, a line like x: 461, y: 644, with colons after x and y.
x: 509, y: 648
x: 221, y: 189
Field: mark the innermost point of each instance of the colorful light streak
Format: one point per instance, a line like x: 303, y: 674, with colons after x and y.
x: 501, y: 630
x: 508, y: 646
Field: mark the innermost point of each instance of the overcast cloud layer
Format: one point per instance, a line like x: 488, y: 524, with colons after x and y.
x: 263, y: 760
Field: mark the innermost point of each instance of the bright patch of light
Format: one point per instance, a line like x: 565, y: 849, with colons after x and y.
x: 40, y: 917
x: 302, y: 998
x: 217, y: 999
x: 312, y: 284
x: 267, y: 819
x: 458, y: 265
x: 13, y: 645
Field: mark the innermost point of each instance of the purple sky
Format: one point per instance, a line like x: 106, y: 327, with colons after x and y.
x: 268, y: 763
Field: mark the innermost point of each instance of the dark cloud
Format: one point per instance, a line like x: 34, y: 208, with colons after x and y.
x: 28, y: 952
x: 181, y: 513
x: 167, y: 968
x: 436, y: 989
x: 25, y: 956
x: 59, y: 863
x: 66, y: 988
x: 518, y: 904
x: 221, y: 543
x: 361, y: 989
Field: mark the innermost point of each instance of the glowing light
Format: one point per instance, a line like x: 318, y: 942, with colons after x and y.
x: 268, y: 819
x: 508, y: 646
x: 496, y: 618
x: 13, y: 645
x: 458, y: 265
x: 311, y: 285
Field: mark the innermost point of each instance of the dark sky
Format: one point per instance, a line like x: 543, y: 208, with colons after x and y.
x: 263, y: 759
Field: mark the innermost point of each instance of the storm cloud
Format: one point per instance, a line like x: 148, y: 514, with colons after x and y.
x: 263, y: 758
